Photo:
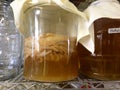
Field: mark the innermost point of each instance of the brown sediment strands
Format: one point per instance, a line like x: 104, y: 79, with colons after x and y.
x: 51, y: 47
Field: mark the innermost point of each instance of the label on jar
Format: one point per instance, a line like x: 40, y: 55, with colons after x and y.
x: 113, y: 30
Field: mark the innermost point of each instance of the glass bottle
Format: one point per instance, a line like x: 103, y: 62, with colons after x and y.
x: 50, y: 43
x: 10, y: 46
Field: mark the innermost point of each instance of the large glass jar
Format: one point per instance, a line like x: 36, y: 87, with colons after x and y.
x: 50, y: 43
x: 104, y: 63
x: 10, y: 43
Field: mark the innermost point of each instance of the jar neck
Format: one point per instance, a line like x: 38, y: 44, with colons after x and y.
x: 3, y: 5
x: 3, y: 12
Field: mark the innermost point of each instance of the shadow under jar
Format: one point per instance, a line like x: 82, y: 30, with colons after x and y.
x: 104, y: 64
x: 50, y: 44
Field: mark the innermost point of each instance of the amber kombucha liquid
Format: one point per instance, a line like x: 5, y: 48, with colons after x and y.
x: 55, y: 60
x: 104, y: 64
